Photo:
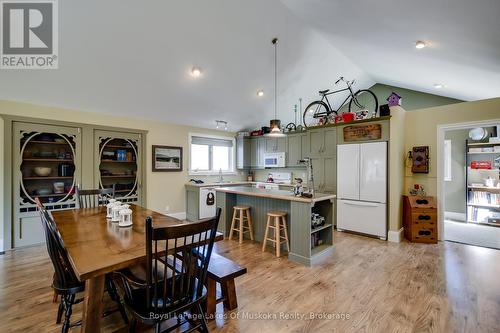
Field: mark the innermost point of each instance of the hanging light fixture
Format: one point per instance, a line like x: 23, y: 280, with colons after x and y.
x: 275, y: 123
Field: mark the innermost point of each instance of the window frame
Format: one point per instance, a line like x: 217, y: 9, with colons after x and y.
x: 211, y: 172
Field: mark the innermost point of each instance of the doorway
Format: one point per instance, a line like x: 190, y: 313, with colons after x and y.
x: 469, y: 182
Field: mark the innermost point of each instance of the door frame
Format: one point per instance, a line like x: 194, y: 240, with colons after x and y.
x: 441, y: 130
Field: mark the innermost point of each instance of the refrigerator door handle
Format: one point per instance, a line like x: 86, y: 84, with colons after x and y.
x: 361, y: 203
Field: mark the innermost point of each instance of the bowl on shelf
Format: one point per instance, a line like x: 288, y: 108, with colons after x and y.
x: 42, y: 171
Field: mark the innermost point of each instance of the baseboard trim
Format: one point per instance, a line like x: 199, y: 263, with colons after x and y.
x: 180, y: 215
x: 395, y: 236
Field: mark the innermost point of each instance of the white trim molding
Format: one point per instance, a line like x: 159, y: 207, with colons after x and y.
x: 1, y: 246
x: 395, y: 236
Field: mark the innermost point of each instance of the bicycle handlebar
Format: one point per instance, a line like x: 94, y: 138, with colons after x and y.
x: 340, y: 79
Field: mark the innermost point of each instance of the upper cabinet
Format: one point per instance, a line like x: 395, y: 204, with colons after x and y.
x: 322, y: 142
x: 295, y: 148
x: 243, y: 152
x: 257, y: 150
x: 119, y: 156
x: 274, y: 145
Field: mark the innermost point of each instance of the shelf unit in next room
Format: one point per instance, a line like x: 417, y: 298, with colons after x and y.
x: 483, y: 200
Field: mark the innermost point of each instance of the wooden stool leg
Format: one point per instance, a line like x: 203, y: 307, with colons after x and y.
x: 241, y: 226
x: 277, y: 235
x: 286, y: 234
x: 211, y: 297
x: 232, y: 224
x: 264, y: 240
x: 250, y: 226
x: 229, y: 293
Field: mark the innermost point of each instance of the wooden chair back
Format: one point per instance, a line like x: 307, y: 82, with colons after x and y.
x: 95, y: 197
x: 187, y: 271
x: 64, y: 274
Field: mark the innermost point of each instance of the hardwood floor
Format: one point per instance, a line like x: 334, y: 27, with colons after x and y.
x: 378, y: 287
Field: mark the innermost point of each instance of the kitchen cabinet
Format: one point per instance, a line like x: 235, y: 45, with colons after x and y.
x: 295, y: 148
x: 274, y: 145
x: 322, y: 142
x: 243, y: 153
x: 257, y: 150
x: 325, y: 174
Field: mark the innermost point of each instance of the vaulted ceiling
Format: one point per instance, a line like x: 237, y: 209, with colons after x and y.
x: 129, y: 57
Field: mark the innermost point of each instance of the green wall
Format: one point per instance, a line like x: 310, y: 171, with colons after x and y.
x: 411, y: 99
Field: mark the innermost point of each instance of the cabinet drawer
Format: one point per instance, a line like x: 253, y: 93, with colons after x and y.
x: 424, y: 235
x: 424, y: 216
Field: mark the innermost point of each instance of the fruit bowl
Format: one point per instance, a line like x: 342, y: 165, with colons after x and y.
x: 42, y: 171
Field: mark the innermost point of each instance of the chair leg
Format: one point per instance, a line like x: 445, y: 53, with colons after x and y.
x: 203, y: 321
x: 250, y: 226
x: 233, y: 221
x: 286, y: 234
x: 265, y: 234
x: 241, y: 227
x: 60, y: 311
x: 113, y: 294
x: 158, y: 327
x: 132, y: 325
x: 70, y: 299
x: 277, y: 235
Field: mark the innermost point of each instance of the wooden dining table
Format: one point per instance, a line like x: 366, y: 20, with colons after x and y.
x: 97, y: 246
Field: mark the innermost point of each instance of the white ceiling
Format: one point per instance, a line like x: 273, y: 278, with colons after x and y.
x: 129, y: 57
x: 379, y: 36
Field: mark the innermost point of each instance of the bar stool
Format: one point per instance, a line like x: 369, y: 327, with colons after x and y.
x: 241, y: 214
x: 279, y: 224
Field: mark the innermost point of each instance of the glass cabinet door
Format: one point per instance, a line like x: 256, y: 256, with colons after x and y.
x: 46, y: 165
x: 119, y: 164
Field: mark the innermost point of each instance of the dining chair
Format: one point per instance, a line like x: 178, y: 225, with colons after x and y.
x: 175, y: 283
x: 65, y: 282
x: 94, y: 197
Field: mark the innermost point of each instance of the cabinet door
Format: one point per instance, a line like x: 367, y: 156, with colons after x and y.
x: 318, y: 173
x: 261, y: 149
x: 281, y: 145
x: 316, y: 142
x: 294, y: 151
x: 330, y: 137
x: 242, y: 153
x: 47, y: 163
x: 118, y: 157
x: 254, y: 152
x: 348, y: 171
x: 305, y: 146
x: 330, y: 178
x: 271, y: 145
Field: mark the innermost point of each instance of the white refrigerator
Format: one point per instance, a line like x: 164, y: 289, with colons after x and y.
x: 362, y: 188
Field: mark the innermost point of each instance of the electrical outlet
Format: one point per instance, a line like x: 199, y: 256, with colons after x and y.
x: 167, y: 208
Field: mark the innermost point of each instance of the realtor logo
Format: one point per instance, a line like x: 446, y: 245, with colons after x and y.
x: 29, y: 38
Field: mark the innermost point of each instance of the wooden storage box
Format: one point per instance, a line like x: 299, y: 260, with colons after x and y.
x: 420, y: 219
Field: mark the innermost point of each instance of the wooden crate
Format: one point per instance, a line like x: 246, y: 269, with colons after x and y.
x: 420, y: 219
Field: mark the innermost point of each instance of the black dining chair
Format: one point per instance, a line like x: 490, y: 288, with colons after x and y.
x: 174, y: 283
x: 94, y: 197
x: 65, y: 283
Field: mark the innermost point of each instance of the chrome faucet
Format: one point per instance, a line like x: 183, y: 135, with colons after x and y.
x: 221, y: 179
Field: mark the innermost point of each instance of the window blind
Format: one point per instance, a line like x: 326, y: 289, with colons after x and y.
x: 199, y: 140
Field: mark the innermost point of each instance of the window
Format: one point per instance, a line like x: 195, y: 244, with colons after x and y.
x: 447, y: 160
x: 209, y: 154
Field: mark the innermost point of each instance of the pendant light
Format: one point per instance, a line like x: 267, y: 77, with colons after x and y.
x: 275, y: 123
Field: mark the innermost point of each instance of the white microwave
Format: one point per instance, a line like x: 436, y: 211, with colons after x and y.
x: 274, y: 160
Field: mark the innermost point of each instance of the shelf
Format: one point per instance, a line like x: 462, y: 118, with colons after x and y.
x: 118, y: 147
x: 489, y: 170
x: 46, y: 160
x: 483, y: 152
x: 49, y: 142
x: 124, y: 176
x: 484, y: 189
x: 122, y: 191
x: 483, y: 144
x: 113, y: 161
x: 49, y: 195
x: 484, y: 205
x: 318, y: 249
x: 485, y: 223
x: 320, y: 228
x: 46, y: 178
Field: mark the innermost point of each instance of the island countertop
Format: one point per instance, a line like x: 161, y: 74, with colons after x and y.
x: 274, y: 194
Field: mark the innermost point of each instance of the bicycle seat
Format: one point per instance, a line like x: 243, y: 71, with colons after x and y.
x: 322, y: 92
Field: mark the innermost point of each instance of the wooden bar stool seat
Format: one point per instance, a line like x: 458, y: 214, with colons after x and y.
x: 279, y: 226
x: 241, y: 214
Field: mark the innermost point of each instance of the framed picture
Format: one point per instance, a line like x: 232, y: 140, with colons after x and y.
x: 420, y: 159
x: 167, y: 158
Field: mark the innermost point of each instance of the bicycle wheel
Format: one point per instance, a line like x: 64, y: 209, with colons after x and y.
x: 314, y: 112
x: 364, y: 100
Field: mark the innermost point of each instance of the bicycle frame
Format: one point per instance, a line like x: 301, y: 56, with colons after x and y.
x: 325, y: 98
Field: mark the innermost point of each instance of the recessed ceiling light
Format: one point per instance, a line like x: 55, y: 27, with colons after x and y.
x: 438, y: 85
x: 196, y: 71
x: 260, y: 93
x: 420, y: 44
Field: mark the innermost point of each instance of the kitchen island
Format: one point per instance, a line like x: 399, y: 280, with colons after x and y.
x: 299, y: 209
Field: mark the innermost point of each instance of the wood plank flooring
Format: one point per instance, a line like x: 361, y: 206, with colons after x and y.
x: 367, y: 285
